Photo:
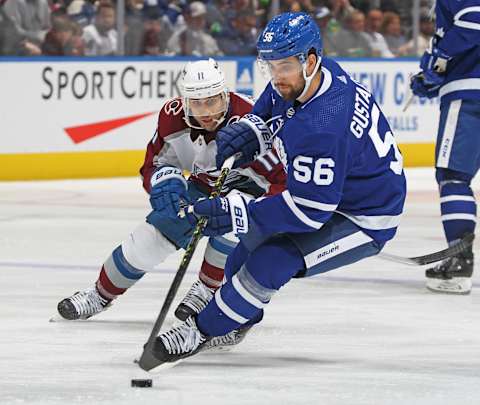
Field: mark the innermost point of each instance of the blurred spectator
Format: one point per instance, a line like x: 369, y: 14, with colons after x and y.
x: 340, y: 9
x: 322, y: 17
x: 77, y: 42
x: 236, y: 6
x: 427, y: 29
x: 30, y: 48
x: 31, y: 19
x: 365, y: 5
x: 290, y: 6
x: 392, y: 32
x: 174, y: 12
x: 240, y: 37
x: 101, y: 37
x: 58, y: 39
x: 148, y: 29
x: 217, y: 20
x: 193, y: 40
x: 10, y: 39
x: 375, y: 39
x: 351, y: 40
x: 393, y: 6
x: 294, y: 6
x: 81, y: 11
x: 156, y: 33
x: 134, y: 10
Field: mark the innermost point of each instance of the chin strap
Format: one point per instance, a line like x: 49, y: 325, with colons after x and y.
x: 308, y: 79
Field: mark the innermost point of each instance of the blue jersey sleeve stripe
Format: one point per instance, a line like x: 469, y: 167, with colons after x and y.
x: 298, y: 212
x: 460, y: 85
x: 314, y: 204
x: 467, y: 24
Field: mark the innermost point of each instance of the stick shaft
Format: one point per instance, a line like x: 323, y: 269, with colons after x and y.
x: 145, y: 360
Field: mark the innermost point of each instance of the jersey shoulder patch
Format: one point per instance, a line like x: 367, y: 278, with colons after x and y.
x: 171, y: 118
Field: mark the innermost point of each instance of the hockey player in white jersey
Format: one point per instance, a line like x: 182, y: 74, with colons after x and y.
x: 184, y: 140
x: 450, y: 69
x: 345, y: 185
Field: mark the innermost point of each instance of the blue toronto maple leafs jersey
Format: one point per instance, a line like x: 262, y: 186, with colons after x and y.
x: 339, y: 155
x: 458, y: 35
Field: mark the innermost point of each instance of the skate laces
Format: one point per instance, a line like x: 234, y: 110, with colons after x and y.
x: 88, y: 302
x: 198, y: 296
x: 184, y: 338
x: 230, y: 338
x: 451, y: 264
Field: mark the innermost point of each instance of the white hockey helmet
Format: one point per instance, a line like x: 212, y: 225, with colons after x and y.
x: 203, y: 80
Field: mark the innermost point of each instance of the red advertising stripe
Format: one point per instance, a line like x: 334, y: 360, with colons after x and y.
x: 82, y: 133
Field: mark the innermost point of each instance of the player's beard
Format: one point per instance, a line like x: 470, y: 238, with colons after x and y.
x: 289, y: 92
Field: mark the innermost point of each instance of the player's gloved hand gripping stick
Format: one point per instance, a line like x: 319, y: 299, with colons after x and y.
x: 147, y: 361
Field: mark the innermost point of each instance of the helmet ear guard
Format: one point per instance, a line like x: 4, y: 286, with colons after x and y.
x: 201, y: 80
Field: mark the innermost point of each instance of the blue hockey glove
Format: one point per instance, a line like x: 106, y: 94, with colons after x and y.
x: 224, y: 214
x: 434, y: 64
x: 421, y: 89
x: 169, y: 191
x: 247, y: 137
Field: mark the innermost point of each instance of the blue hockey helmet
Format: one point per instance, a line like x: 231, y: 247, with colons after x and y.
x: 289, y: 34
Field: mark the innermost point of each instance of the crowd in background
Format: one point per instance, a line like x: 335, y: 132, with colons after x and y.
x: 350, y: 28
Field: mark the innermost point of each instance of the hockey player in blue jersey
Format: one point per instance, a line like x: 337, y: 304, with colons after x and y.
x: 451, y: 70
x: 345, y: 184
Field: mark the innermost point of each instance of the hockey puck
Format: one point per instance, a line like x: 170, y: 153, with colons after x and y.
x: 140, y: 383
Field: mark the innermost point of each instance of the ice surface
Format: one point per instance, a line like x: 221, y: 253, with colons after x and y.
x: 369, y: 334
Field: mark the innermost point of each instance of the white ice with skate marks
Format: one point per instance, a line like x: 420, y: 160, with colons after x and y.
x: 370, y: 334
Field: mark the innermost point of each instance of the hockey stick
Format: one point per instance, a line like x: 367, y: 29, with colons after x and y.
x: 147, y: 360
x: 453, y: 250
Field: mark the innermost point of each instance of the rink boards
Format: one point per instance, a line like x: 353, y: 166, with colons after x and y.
x: 92, y: 117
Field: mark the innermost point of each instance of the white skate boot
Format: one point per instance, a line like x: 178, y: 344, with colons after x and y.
x: 196, y: 299
x: 82, y: 305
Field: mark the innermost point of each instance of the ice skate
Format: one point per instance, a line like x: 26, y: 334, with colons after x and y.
x: 228, y: 341
x: 178, y: 343
x: 82, y: 305
x: 452, y: 276
x: 196, y: 299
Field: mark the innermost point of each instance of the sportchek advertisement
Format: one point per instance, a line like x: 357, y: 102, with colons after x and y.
x: 99, y: 105
x: 85, y: 105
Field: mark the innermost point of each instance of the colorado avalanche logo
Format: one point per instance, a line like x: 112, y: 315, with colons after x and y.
x: 280, y: 149
x: 173, y: 107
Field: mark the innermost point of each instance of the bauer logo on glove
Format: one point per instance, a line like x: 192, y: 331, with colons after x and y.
x: 224, y: 214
